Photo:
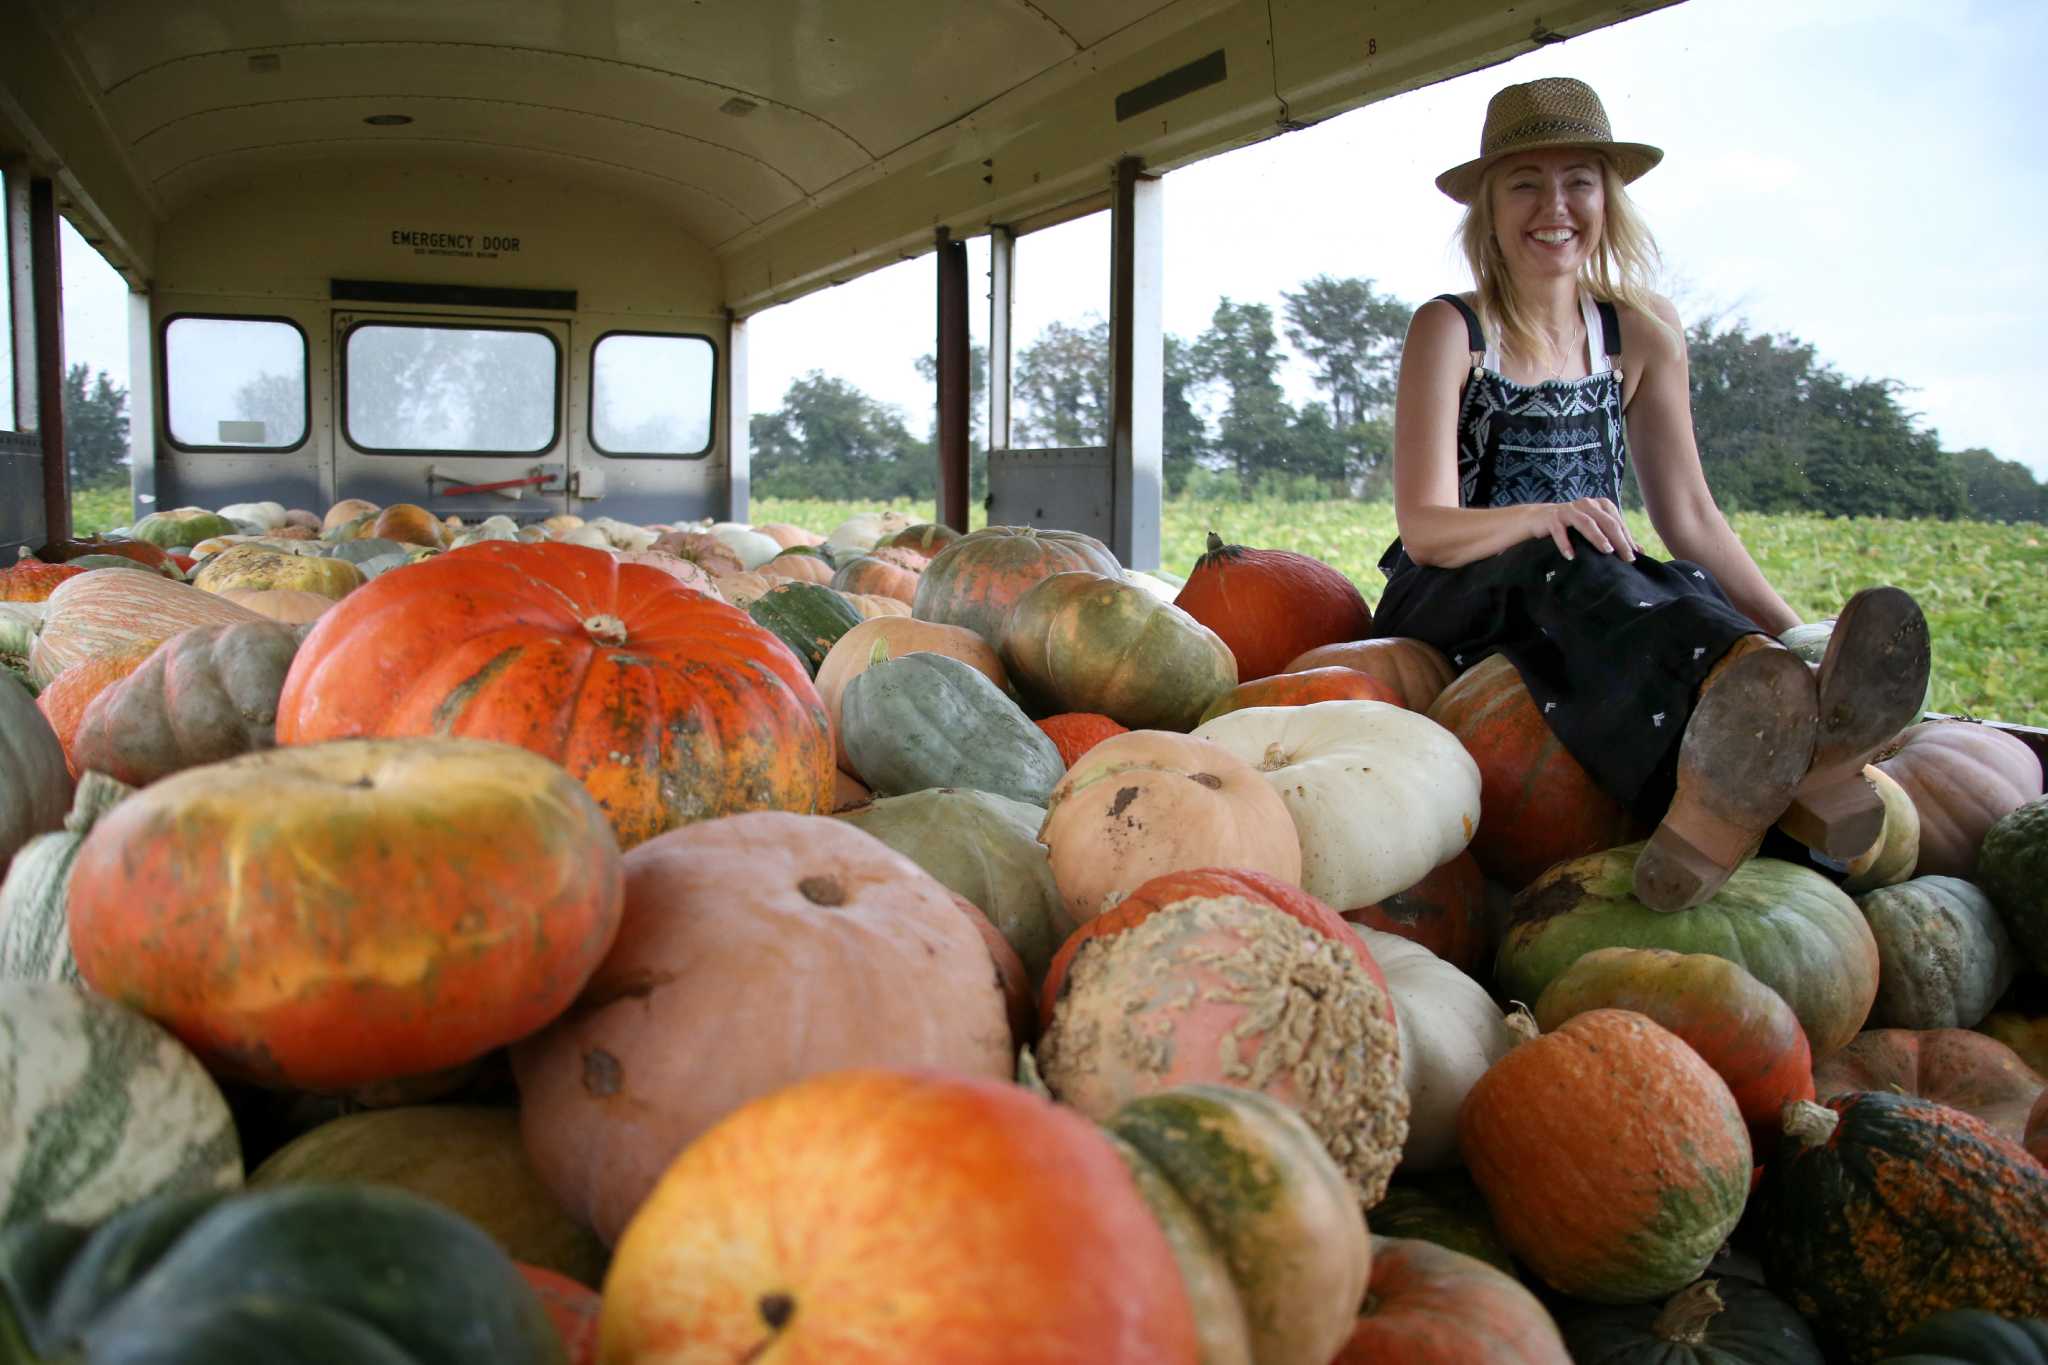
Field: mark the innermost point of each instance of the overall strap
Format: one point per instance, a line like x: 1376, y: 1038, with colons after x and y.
x: 1610, y: 326
x: 1475, y: 338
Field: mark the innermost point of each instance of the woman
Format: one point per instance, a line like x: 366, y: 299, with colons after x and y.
x: 1518, y: 406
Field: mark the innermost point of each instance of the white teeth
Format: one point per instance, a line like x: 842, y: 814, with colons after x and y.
x: 1554, y: 235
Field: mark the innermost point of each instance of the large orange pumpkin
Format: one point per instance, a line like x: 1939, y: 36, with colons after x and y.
x: 1415, y: 669
x: 1537, y: 806
x: 1271, y: 605
x: 883, y: 1217
x: 335, y: 915
x: 1614, y: 1160
x: 669, y: 706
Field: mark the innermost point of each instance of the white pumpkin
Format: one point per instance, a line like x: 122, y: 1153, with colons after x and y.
x: 866, y: 531
x: 1380, y: 795
x: 622, y: 535
x: 1451, y: 1032
x: 581, y: 535
x: 753, y: 548
x: 267, y: 516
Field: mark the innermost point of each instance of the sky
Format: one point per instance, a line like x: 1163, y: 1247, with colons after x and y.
x: 1867, y: 175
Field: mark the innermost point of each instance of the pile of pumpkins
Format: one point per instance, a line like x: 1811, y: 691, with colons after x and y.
x: 579, y: 941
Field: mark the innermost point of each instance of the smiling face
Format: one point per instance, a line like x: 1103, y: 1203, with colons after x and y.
x: 1549, y: 208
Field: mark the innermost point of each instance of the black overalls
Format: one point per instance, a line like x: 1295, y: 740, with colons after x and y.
x: 1612, y: 652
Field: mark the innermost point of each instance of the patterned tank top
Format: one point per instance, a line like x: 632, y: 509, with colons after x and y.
x: 1557, y: 441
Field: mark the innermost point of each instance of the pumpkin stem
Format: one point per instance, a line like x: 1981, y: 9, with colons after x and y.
x: 1215, y: 542
x: 608, y: 630
x: 1685, y: 1318
x: 879, y: 654
x: 96, y: 795
x: 1813, y: 1124
x: 1523, y: 1024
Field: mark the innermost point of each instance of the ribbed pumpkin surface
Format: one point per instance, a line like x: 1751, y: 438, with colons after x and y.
x: 1943, y: 952
x: 1960, y: 1068
x: 668, y: 706
x: 976, y: 580
x: 35, y: 784
x: 1791, y: 928
x: 929, y: 720
x: 1085, y: 641
x: 1537, y: 805
x: 1906, y: 1208
x: 1720, y: 1320
x: 1415, y: 669
x: 120, y: 612
x: 31, y: 580
x: 807, y: 617
x: 348, y: 913
x: 100, y: 1108
x: 35, y: 933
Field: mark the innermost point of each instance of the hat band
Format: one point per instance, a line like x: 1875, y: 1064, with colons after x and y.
x: 1549, y: 129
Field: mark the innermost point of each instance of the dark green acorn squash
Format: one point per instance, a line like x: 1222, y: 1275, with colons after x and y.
x: 1713, y: 1321
x: 2012, y: 868
x: 808, y: 617
x: 1970, y: 1336
x: 1881, y: 1210
x: 350, y: 1274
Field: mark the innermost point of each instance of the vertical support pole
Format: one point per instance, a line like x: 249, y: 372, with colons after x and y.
x: 952, y: 381
x: 1002, y: 293
x: 738, y: 421
x: 142, y: 410
x: 21, y: 285
x: 1137, y: 363
x: 44, y: 248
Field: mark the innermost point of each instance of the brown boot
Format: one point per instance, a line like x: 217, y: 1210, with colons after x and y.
x: 1872, y: 681
x: 1747, y: 745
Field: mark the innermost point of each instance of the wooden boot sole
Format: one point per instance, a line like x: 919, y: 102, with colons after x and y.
x: 1747, y: 744
x: 1871, y: 682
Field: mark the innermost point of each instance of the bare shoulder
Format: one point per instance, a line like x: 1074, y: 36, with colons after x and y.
x: 1438, y: 328
x: 1644, y: 335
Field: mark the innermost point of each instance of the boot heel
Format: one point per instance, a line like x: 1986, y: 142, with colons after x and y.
x: 1840, y: 819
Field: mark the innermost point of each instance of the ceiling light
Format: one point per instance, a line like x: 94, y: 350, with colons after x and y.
x: 388, y: 120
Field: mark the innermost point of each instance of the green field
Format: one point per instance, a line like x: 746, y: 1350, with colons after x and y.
x: 1981, y: 585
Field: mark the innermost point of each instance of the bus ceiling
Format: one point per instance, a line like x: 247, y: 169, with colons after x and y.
x: 796, y: 144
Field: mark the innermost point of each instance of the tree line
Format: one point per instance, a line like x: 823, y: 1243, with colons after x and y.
x: 1780, y: 430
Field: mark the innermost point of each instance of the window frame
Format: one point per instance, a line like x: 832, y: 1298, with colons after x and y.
x: 163, y: 379
x: 348, y: 438
x: 711, y: 425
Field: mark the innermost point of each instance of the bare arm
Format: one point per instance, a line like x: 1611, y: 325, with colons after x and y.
x: 1435, y: 530
x: 1675, y: 491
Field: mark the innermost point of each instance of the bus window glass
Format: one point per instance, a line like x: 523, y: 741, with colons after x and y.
x: 485, y: 389
x: 6, y: 319
x: 235, y: 382
x: 651, y: 395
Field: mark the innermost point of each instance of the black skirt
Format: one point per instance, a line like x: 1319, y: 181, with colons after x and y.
x: 1612, y: 652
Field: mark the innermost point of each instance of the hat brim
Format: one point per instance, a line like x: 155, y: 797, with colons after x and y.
x: 1630, y: 160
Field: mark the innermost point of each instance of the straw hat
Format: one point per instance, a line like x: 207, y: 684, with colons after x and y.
x: 1556, y: 111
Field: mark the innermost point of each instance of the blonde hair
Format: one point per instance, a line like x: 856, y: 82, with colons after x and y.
x: 1620, y: 270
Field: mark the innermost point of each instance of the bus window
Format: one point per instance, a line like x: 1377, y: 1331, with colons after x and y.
x: 238, y: 383
x: 412, y: 387
x: 651, y: 394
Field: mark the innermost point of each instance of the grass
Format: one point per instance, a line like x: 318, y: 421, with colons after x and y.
x: 99, y: 509
x: 1979, y: 583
